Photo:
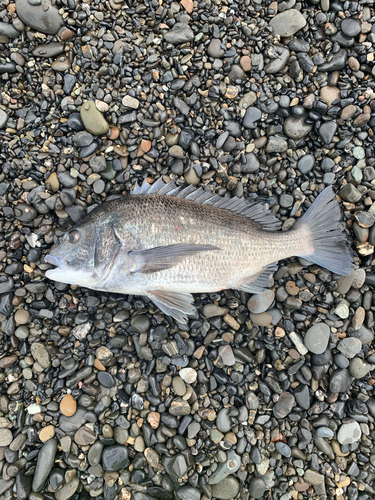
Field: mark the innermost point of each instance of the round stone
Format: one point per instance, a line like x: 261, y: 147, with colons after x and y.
x: 317, y: 338
x: 188, y: 375
x: 358, y: 368
x: 350, y: 347
x: 115, y: 458
x: 68, y: 405
x: 21, y: 317
x: 259, y: 303
x: 92, y: 119
x: 226, y: 489
x: 47, y: 433
x: 349, y: 433
x: 6, y: 436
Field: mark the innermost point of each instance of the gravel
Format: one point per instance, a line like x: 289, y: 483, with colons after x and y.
x: 103, y: 396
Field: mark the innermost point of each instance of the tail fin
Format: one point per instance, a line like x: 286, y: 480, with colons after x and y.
x: 328, y: 246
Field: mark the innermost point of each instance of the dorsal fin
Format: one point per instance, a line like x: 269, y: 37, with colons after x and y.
x: 255, y: 211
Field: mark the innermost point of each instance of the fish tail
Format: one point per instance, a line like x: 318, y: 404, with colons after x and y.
x: 323, y: 243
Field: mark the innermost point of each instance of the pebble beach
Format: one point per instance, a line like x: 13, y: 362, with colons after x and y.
x: 267, y: 396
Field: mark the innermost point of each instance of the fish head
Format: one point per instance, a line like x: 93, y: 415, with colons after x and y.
x: 87, y: 253
x: 73, y: 257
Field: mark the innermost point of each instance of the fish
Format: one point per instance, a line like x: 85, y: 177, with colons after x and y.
x: 167, y: 242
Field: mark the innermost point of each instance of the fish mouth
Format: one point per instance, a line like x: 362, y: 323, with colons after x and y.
x: 55, y: 261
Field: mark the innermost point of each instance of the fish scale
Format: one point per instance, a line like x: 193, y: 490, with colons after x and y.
x: 167, y: 242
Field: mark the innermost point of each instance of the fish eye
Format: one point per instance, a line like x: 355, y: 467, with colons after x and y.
x: 73, y: 236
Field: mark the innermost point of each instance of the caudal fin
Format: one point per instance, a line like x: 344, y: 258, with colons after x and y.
x: 326, y: 245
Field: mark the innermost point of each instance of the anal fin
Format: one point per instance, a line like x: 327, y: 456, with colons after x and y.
x: 178, y: 305
x: 260, y: 281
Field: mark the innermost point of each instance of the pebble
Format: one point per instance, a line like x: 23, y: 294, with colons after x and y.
x: 261, y: 302
x: 44, y: 18
x: 226, y: 489
x: 114, y: 458
x: 349, y: 433
x: 284, y: 405
x: 317, y: 337
x: 358, y: 368
x: 46, y: 458
x: 5, y: 437
x: 3, y: 118
x: 349, y: 347
x: 92, y: 119
x: 287, y: 23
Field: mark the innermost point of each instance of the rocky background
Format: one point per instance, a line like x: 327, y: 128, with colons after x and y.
x: 102, y: 396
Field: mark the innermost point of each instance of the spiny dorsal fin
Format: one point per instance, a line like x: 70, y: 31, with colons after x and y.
x: 255, y: 211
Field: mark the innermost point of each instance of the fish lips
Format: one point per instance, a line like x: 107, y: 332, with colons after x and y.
x: 55, y: 261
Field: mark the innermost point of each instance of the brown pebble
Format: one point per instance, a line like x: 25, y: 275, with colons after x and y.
x: 21, y: 317
x: 188, y: 5
x: 99, y: 365
x: 361, y: 120
x: 348, y: 112
x: 153, y: 419
x: 292, y: 288
x: 353, y: 63
x: 7, y: 361
x: 245, y: 63
x: 115, y: 132
x: 66, y: 34
x: 68, y: 405
x: 46, y: 433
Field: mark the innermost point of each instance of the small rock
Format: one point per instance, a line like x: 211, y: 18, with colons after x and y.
x: 349, y: 433
x: 287, y: 23
x: 317, y: 338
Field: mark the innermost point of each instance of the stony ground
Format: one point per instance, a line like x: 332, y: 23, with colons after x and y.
x: 257, y: 397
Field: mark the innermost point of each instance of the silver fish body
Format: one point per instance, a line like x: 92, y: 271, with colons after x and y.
x: 167, y: 243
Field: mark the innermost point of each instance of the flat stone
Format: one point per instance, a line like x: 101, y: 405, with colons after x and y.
x: 40, y: 354
x: 349, y: 347
x: 179, y: 407
x: 214, y: 48
x: 296, y: 128
x: 349, y: 433
x: 68, y: 490
x: 68, y: 405
x: 189, y: 493
x: 6, y: 436
x: 44, y: 17
x: 223, y: 421
x: 260, y: 302
x: 46, y: 433
x: 278, y: 61
x: 115, y: 458
x: 276, y: 144
x: 46, y: 459
x: 329, y: 94
x: 49, y: 50
x: 8, y: 30
x: 252, y: 116
x: 350, y: 193
x: 336, y: 62
x: 84, y: 436
x: 180, y: 33
x: 351, y: 27
x: 340, y: 381
x: 358, y: 368
x: 317, y: 337
x: 188, y: 375
x: 3, y: 118
x: 327, y: 131
x: 130, y: 102
x: 92, y: 119
x: 313, y: 477
x: 284, y: 405
x: 287, y: 23
x: 227, y: 489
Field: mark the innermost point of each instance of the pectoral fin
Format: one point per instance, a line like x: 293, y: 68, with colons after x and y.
x: 260, y: 281
x: 178, y: 305
x: 164, y: 257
